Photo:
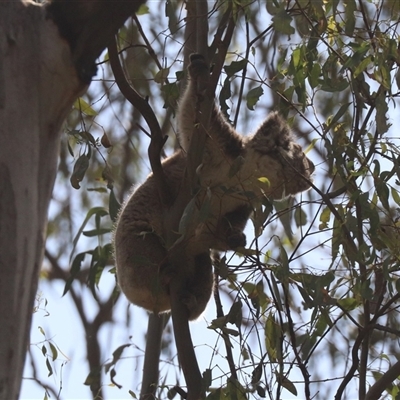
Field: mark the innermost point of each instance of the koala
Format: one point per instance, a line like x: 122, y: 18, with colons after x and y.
x: 229, y: 179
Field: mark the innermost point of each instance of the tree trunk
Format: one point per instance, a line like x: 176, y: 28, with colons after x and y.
x: 38, y: 84
x: 41, y: 75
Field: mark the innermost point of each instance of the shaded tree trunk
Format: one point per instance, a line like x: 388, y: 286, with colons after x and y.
x: 41, y: 75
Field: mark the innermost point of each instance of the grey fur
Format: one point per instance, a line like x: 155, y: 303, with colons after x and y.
x: 231, y: 168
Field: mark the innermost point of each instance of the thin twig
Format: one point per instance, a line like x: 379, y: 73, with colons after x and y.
x: 293, y: 340
x: 225, y: 336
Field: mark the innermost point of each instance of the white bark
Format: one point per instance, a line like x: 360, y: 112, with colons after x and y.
x: 38, y: 84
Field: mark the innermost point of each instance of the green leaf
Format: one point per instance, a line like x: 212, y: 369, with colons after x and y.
x: 234, y: 67
x: 381, y: 110
x: 232, y: 332
x: 253, y: 96
x: 395, y: 195
x: 93, y: 376
x: 143, y: 9
x: 260, y: 214
x: 54, y: 351
x: 261, y: 391
x: 281, y: 22
x: 83, y: 106
x: 171, y: 393
x: 49, y: 368
x: 75, y: 268
x: 257, y: 373
x: 89, y: 138
x: 170, y: 93
x: 161, y: 76
x: 288, y: 385
x: 207, y: 378
x: 71, y: 152
x: 80, y: 168
x: 383, y: 193
x: 97, y: 189
x: 218, y: 323
x: 113, y: 206
x: 285, y: 262
x: 307, y: 299
x: 324, y: 218
x: 311, y: 146
x: 116, y: 356
x: 277, y: 294
x: 336, y: 85
x: 337, y: 238
x: 314, y: 76
x: 99, y: 211
x: 339, y: 114
x: 296, y: 57
x: 96, y: 232
x: 272, y: 7
x: 235, y: 391
x: 362, y: 66
x: 348, y: 303
x: 235, y: 314
x: 171, y: 11
x: 350, y: 20
x: 265, y: 180
x: 224, y: 95
x: 272, y: 332
x: 300, y: 217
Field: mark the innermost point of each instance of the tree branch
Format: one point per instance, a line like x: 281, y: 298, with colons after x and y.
x: 141, y: 104
x: 183, y: 340
x: 225, y: 336
x: 181, y: 261
x: 202, y: 28
x: 155, y: 328
x: 88, y: 26
x: 374, y: 393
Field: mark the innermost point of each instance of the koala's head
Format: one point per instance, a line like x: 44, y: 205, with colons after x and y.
x: 279, y: 158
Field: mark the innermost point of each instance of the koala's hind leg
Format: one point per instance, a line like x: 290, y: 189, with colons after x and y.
x: 199, y: 72
x: 142, y: 271
x: 198, y: 287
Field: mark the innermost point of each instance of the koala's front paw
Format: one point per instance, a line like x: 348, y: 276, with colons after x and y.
x: 195, y: 57
x: 198, y: 68
x: 236, y: 239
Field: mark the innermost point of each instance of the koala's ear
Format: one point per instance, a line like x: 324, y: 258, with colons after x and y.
x: 274, y: 132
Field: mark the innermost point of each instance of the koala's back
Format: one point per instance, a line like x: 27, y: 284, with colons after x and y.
x: 140, y: 254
